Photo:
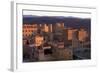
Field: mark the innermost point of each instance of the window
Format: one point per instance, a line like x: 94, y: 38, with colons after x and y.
x: 25, y: 30
x: 47, y: 51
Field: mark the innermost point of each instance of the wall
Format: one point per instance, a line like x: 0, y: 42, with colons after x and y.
x: 5, y: 33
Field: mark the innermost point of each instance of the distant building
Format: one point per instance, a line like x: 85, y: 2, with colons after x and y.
x: 28, y: 29
x: 75, y: 39
x: 39, y: 40
x: 65, y: 35
x: 82, y: 35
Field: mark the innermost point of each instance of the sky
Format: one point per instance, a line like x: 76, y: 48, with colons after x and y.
x: 50, y: 13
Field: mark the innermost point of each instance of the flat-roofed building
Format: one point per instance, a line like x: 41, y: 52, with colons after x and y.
x: 82, y: 35
x: 28, y: 29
